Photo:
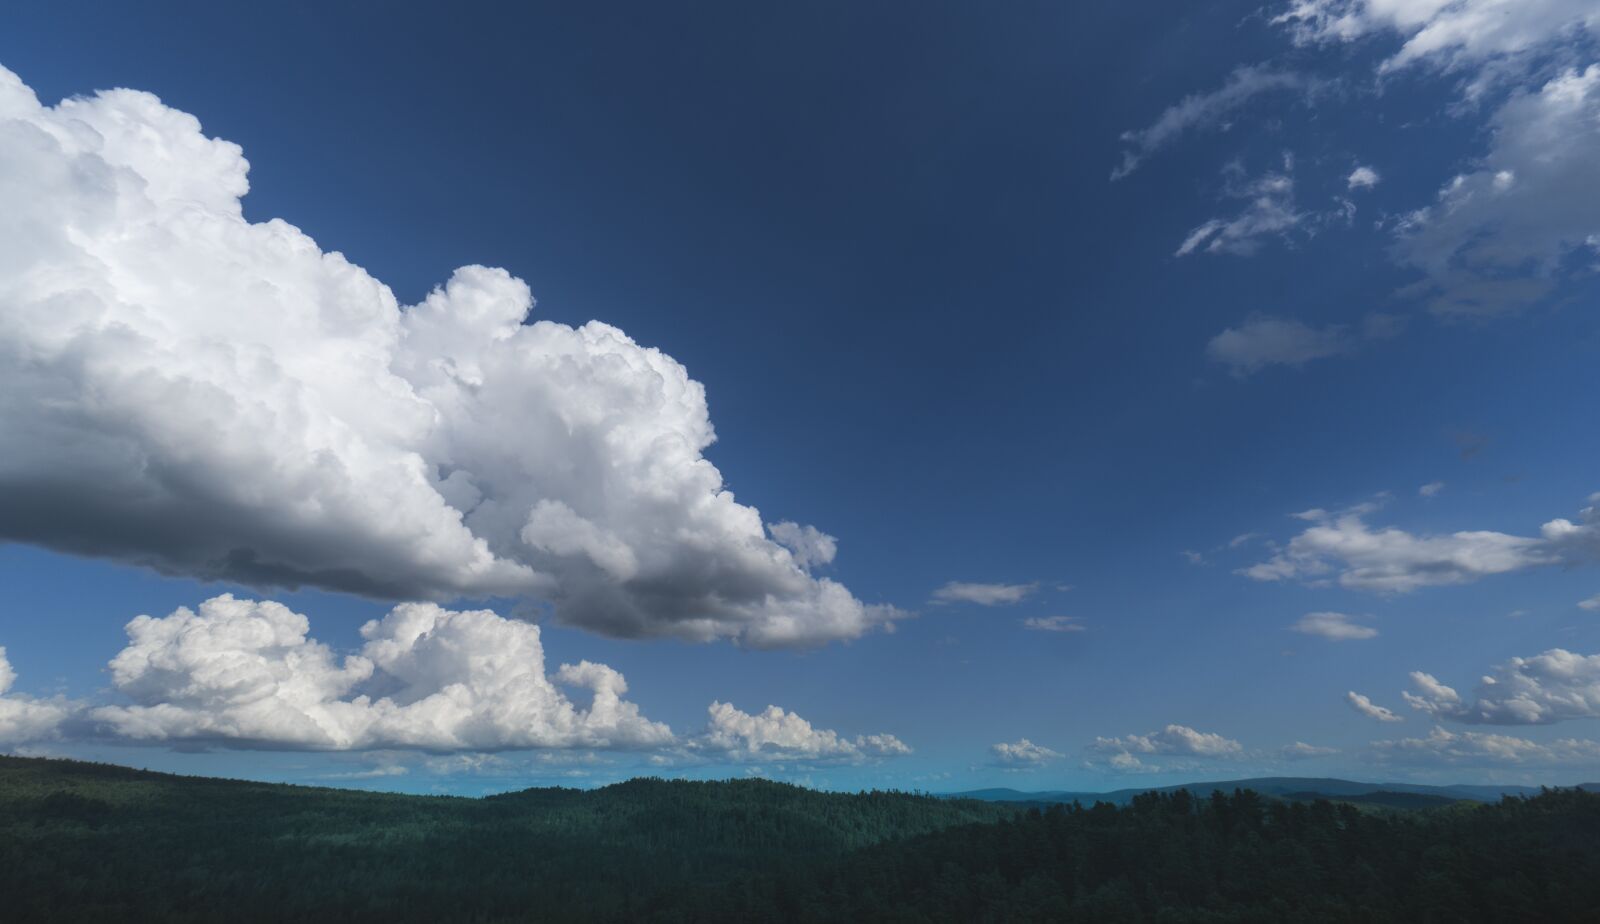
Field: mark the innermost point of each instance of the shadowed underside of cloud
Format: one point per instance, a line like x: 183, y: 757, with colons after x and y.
x: 186, y: 390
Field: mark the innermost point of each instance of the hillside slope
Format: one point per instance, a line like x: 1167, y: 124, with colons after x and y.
x: 93, y: 842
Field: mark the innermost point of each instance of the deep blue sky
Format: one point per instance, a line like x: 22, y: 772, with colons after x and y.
x: 885, y: 239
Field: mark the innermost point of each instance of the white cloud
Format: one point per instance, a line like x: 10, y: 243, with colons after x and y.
x: 1302, y: 751
x: 1431, y: 489
x: 984, y: 594
x: 809, y: 545
x: 784, y: 736
x: 1336, y: 626
x: 1445, y: 34
x: 1022, y: 754
x: 1555, y: 686
x: 1391, y: 560
x: 24, y: 718
x: 1592, y: 604
x: 1370, y: 709
x: 1178, y: 740
x: 1203, y: 110
x: 246, y: 673
x: 1053, y: 624
x: 1446, y: 747
x: 1362, y: 178
x: 1193, y: 557
x: 189, y: 391
x: 1499, y: 236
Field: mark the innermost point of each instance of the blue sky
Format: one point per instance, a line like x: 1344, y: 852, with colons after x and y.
x: 1081, y: 305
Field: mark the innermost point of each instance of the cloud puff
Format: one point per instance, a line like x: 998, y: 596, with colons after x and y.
x: 1370, y: 709
x: 1362, y: 178
x: 809, y: 545
x: 246, y: 673
x: 1446, y: 747
x: 1335, y: 626
x: 207, y: 396
x: 984, y: 594
x: 784, y: 736
x: 1431, y: 489
x: 1592, y: 604
x: 1266, y: 341
x: 1391, y: 560
x: 1053, y: 624
x: 1499, y: 236
x: 1203, y: 110
x: 1022, y: 754
x: 1551, y: 687
x: 24, y: 718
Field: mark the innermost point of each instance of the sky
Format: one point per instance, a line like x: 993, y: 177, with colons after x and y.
x: 917, y: 396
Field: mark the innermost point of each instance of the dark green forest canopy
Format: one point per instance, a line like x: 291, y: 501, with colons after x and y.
x: 92, y: 842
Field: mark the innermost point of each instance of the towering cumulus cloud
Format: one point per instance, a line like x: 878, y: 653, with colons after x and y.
x: 184, y: 389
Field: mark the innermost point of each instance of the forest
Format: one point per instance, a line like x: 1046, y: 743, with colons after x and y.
x: 86, y: 842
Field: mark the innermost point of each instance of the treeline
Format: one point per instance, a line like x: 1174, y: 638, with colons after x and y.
x: 82, y: 842
x: 1236, y: 857
x: 87, y: 842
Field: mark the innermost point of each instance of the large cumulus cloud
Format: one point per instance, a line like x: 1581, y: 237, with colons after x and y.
x: 184, y: 389
x: 246, y: 672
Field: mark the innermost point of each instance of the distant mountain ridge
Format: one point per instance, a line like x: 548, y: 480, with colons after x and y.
x: 1280, y: 786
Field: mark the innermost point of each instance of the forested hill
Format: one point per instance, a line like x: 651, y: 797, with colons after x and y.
x: 85, y: 842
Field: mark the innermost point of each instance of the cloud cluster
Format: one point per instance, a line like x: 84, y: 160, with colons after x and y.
x: 1442, y: 746
x: 24, y: 718
x: 247, y: 673
x: 1370, y: 709
x: 1022, y: 754
x: 784, y: 736
x: 984, y: 594
x: 1446, y: 34
x: 459, y: 684
x: 207, y: 396
x: 1390, y: 560
x: 1173, y: 741
x: 1500, y: 235
x: 1551, y: 687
